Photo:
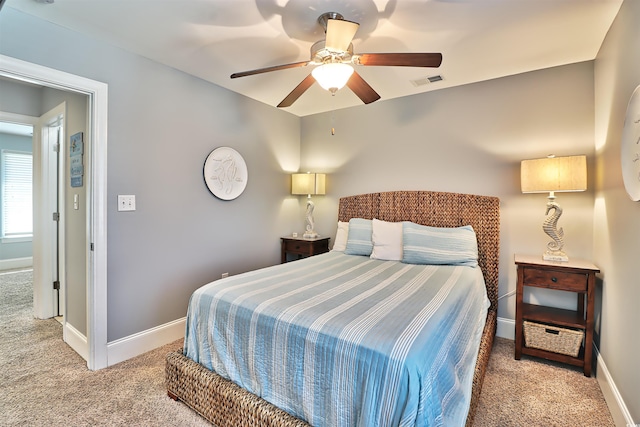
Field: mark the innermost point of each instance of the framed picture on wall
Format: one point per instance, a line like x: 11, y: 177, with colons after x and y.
x: 76, y: 164
x: 630, y: 147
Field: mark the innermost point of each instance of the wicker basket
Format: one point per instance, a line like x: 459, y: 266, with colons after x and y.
x: 553, y: 338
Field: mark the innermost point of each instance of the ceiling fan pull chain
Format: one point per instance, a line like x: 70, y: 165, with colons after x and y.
x: 333, y: 109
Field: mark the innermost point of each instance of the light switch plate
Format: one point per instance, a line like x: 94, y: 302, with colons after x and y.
x: 126, y: 202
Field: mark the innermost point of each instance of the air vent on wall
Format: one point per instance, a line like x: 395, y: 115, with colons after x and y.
x: 426, y: 80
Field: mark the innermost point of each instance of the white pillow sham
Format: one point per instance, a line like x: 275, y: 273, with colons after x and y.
x: 387, y: 240
x: 340, y: 243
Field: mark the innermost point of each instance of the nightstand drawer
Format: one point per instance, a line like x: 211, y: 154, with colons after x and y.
x: 560, y: 280
x: 301, y: 247
x: 297, y: 247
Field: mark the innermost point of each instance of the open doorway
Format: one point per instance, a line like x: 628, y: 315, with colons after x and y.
x: 59, y: 290
x: 30, y: 191
x: 93, y: 343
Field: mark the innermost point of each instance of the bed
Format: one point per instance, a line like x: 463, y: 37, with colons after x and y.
x: 228, y: 403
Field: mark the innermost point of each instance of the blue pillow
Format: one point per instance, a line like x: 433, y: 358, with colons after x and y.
x: 438, y: 245
x: 359, y: 239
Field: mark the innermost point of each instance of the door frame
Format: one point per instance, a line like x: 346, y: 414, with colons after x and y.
x: 96, y: 239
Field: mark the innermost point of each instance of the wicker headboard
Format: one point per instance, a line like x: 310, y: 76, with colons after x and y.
x: 438, y: 209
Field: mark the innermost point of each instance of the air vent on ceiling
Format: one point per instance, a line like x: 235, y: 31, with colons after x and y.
x: 426, y: 80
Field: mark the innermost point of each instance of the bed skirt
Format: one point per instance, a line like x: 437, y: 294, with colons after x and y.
x: 225, y: 404
x: 219, y: 400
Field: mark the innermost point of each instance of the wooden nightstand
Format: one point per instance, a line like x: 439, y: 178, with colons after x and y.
x: 303, y: 247
x: 574, y: 276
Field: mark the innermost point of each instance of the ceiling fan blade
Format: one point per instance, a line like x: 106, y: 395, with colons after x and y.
x: 400, y: 59
x: 362, y: 89
x: 339, y: 34
x: 297, y: 92
x: 268, y: 69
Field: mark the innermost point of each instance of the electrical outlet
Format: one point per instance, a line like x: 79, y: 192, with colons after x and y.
x: 126, y: 202
x: 225, y: 275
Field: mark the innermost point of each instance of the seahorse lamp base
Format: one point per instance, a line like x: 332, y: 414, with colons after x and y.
x: 310, y: 233
x: 555, y: 256
x: 550, y: 226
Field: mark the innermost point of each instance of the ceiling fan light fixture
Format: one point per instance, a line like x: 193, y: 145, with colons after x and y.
x: 332, y: 76
x: 333, y: 57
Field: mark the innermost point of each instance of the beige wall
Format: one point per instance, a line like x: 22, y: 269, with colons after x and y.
x: 468, y: 139
x: 617, y: 218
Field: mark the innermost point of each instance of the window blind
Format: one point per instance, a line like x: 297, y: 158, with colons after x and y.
x: 17, y: 189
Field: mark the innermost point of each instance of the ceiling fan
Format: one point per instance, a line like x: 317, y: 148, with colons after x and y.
x: 333, y: 57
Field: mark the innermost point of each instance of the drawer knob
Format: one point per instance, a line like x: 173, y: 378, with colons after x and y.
x: 554, y: 279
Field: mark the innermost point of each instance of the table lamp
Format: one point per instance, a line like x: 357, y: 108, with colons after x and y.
x: 309, y: 184
x: 554, y: 174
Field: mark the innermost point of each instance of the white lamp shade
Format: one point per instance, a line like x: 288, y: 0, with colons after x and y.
x: 339, y: 34
x: 562, y: 174
x: 332, y: 76
x: 308, y: 183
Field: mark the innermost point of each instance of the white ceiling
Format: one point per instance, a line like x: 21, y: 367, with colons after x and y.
x: 210, y: 39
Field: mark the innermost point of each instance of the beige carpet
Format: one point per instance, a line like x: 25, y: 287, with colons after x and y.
x: 45, y: 383
x: 534, y: 392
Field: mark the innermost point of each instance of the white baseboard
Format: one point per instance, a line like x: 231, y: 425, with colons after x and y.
x: 137, y: 344
x: 617, y: 407
x: 75, y: 340
x: 506, y: 328
x: 9, y: 264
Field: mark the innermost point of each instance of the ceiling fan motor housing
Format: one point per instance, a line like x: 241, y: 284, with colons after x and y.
x: 321, y: 55
x: 324, y: 19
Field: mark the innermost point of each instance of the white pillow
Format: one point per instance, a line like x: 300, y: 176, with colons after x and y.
x: 340, y: 243
x: 387, y: 240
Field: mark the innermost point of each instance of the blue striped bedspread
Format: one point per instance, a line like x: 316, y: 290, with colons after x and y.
x: 344, y: 340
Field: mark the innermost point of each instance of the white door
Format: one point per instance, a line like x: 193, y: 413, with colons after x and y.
x: 48, y: 224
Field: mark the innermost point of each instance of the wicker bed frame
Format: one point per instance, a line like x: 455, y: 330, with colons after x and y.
x: 227, y: 405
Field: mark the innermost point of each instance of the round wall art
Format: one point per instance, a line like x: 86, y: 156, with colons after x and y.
x: 225, y: 173
x: 630, y: 147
